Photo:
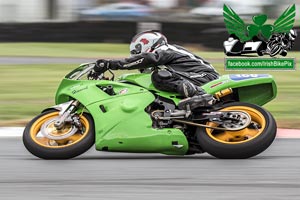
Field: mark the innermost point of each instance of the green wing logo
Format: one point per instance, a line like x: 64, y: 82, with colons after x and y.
x: 285, y: 22
x: 234, y: 24
x: 245, y: 32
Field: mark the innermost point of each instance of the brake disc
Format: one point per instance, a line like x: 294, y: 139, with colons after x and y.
x: 50, y: 131
x: 243, y: 120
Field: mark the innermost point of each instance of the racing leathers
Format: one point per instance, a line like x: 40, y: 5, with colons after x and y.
x: 183, y: 72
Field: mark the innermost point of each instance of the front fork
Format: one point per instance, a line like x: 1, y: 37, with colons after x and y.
x: 65, y: 114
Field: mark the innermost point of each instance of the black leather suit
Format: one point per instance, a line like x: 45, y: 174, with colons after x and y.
x: 184, y: 70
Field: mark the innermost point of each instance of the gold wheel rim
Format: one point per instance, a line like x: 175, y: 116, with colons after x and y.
x: 241, y: 136
x: 49, y: 143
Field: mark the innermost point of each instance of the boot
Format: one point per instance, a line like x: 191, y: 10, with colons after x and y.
x: 196, y: 101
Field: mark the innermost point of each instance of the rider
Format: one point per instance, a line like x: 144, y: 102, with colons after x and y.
x: 183, y: 71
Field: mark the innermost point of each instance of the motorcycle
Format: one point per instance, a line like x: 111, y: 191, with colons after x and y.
x: 130, y: 115
x: 281, y: 43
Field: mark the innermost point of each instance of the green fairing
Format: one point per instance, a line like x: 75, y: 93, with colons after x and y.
x: 144, y: 80
x: 124, y: 126
x: 257, y: 91
x: 121, y: 122
x: 253, y: 90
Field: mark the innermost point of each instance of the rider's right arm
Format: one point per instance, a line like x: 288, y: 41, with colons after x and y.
x: 144, y: 60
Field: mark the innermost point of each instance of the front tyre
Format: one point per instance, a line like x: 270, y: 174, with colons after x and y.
x: 43, y: 147
x: 245, y: 143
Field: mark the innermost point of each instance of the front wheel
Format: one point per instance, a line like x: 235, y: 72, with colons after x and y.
x: 276, y: 49
x: 45, y: 147
x: 245, y: 143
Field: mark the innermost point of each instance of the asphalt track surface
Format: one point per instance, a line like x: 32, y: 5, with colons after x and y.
x: 273, y: 175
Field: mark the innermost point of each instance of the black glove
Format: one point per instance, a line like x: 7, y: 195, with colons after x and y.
x: 101, y: 66
x: 93, y: 75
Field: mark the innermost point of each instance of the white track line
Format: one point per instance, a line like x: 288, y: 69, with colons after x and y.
x: 288, y: 133
x: 18, y: 131
x: 11, y: 131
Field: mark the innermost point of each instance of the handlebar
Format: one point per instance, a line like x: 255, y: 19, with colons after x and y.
x: 86, y: 71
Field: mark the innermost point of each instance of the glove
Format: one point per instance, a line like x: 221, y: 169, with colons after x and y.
x: 101, y: 66
x: 93, y: 75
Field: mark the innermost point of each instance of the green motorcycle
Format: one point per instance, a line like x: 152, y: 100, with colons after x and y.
x: 131, y: 115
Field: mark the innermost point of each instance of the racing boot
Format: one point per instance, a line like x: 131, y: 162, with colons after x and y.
x: 197, y: 101
x: 195, y: 96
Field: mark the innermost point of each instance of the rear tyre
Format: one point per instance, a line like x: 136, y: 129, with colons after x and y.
x: 248, y: 142
x: 43, y: 147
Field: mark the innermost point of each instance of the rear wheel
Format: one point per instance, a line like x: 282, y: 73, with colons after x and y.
x: 245, y: 143
x: 72, y: 143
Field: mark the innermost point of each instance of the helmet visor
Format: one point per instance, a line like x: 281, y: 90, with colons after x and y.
x: 137, y: 49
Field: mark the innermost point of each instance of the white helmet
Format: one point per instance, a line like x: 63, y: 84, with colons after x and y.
x: 292, y: 35
x: 147, y: 41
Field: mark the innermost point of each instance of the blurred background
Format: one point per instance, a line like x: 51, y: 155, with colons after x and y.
x: 41, y: 40
x: 200, y: 21
x: 167, y: 10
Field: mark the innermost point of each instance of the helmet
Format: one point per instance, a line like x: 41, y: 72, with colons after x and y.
x: 147, y: 41
x: 292, y: 34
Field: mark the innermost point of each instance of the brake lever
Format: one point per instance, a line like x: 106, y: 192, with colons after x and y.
x: 113, y: 75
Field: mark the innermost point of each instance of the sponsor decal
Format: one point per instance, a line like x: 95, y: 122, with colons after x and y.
x: 79, y: 89
x: 134, y: 63
x: 123, y: 91
x: 219, y: 83
x: 240, y: 77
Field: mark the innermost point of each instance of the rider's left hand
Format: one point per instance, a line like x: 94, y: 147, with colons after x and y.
x: 93, y: 75
x: 101, y: 66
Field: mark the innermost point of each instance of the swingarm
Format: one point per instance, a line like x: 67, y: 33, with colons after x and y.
x: 233, y: 120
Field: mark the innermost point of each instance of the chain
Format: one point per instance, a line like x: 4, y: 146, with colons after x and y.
x: 202, y: 125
